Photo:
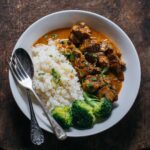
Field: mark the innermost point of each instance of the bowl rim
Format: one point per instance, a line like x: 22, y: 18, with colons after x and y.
x: 121, y: 32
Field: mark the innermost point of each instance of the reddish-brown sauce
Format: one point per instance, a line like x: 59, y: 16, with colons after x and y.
x: 64, y: 34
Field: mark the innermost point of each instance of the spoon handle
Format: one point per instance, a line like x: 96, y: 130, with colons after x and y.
x: 57, y: 129
x: 36, y: 133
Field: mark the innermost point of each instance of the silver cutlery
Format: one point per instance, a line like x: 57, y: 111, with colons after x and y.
x: 25, y: 81
x: 36, y: 133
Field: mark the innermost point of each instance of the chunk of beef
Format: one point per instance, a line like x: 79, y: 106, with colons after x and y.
x: 115, y: 63
x: 123, y: 65
x: 105, y: 45
x: 103, y: 60
x: 75, y: 40
x: 109, y: 52
x: 84, y: 68
x: 90, y: 45
x: 92, y: 83
x: 79, y: 33
x: 91, y: 57
x: 112, y: 80
x: 107, y: 92
x: 120, y: 75
x: 100, y: 59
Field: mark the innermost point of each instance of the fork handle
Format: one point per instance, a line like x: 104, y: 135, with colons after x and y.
x: 57, y: 129
x: 36, y: 133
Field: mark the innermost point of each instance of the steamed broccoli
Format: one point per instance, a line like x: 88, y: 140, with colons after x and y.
x: 102, y: 108
x: 82, y: 114
x: 63, y: 116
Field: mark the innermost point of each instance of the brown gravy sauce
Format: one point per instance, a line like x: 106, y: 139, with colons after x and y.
x: 64, y: 34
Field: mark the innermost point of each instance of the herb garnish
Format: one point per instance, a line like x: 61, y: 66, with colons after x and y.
x: 50, y: 55
x: 103, y: 75
x: 70, y: 56
x: 104, y: 71
x: 90, y: 86
x: 94, y: 55
x: 81, y: 73
x: 86, y: 63
x: 94, y: 79
x: 41, y: 73
x: 62, y: 42
x: 54, y: 36
x: 46, y: 36
x: 56, y: 75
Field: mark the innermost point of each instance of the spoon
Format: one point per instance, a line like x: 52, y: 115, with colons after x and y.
x: 36, y: 133
x: 28, y: 66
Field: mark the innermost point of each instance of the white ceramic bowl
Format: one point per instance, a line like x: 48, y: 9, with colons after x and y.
x: 67, y: 18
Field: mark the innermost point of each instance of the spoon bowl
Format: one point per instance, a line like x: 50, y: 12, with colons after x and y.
x: 26, y: 61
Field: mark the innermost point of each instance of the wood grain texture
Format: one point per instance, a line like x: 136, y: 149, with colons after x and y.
x: 133, y: 132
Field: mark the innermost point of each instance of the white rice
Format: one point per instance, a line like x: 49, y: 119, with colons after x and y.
x: 46, y: 58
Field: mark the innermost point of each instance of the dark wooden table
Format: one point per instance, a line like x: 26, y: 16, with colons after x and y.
x: 133, y: 132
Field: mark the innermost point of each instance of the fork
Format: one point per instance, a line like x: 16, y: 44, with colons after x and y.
x: 36, y: 134
x: 25, y: 81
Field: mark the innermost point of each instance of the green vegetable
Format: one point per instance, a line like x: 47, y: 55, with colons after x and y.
x: 104, y: 70
x: 50, y: 55
x: 41, y: 73
x: 62, y: 42
x: 54, y: 36
x: 46, y: 36
x: 94, y: 55
x: 94, y: 79
x: 101, y: 108
x: 90, y: 86
x: 86, y: 63
x: 82, y: 114
x: 81, y: 73
x: 103, y: 75
x: 63, y: 116
x: 67, y: 54
x: 56, y: 75
x: 70, y: 56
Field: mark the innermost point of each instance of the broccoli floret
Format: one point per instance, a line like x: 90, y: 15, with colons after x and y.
x: 63, y: 116
x: 82, y: 114
x: 102, y: 108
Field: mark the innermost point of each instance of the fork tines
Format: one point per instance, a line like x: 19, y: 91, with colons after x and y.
x: 16, y: 68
